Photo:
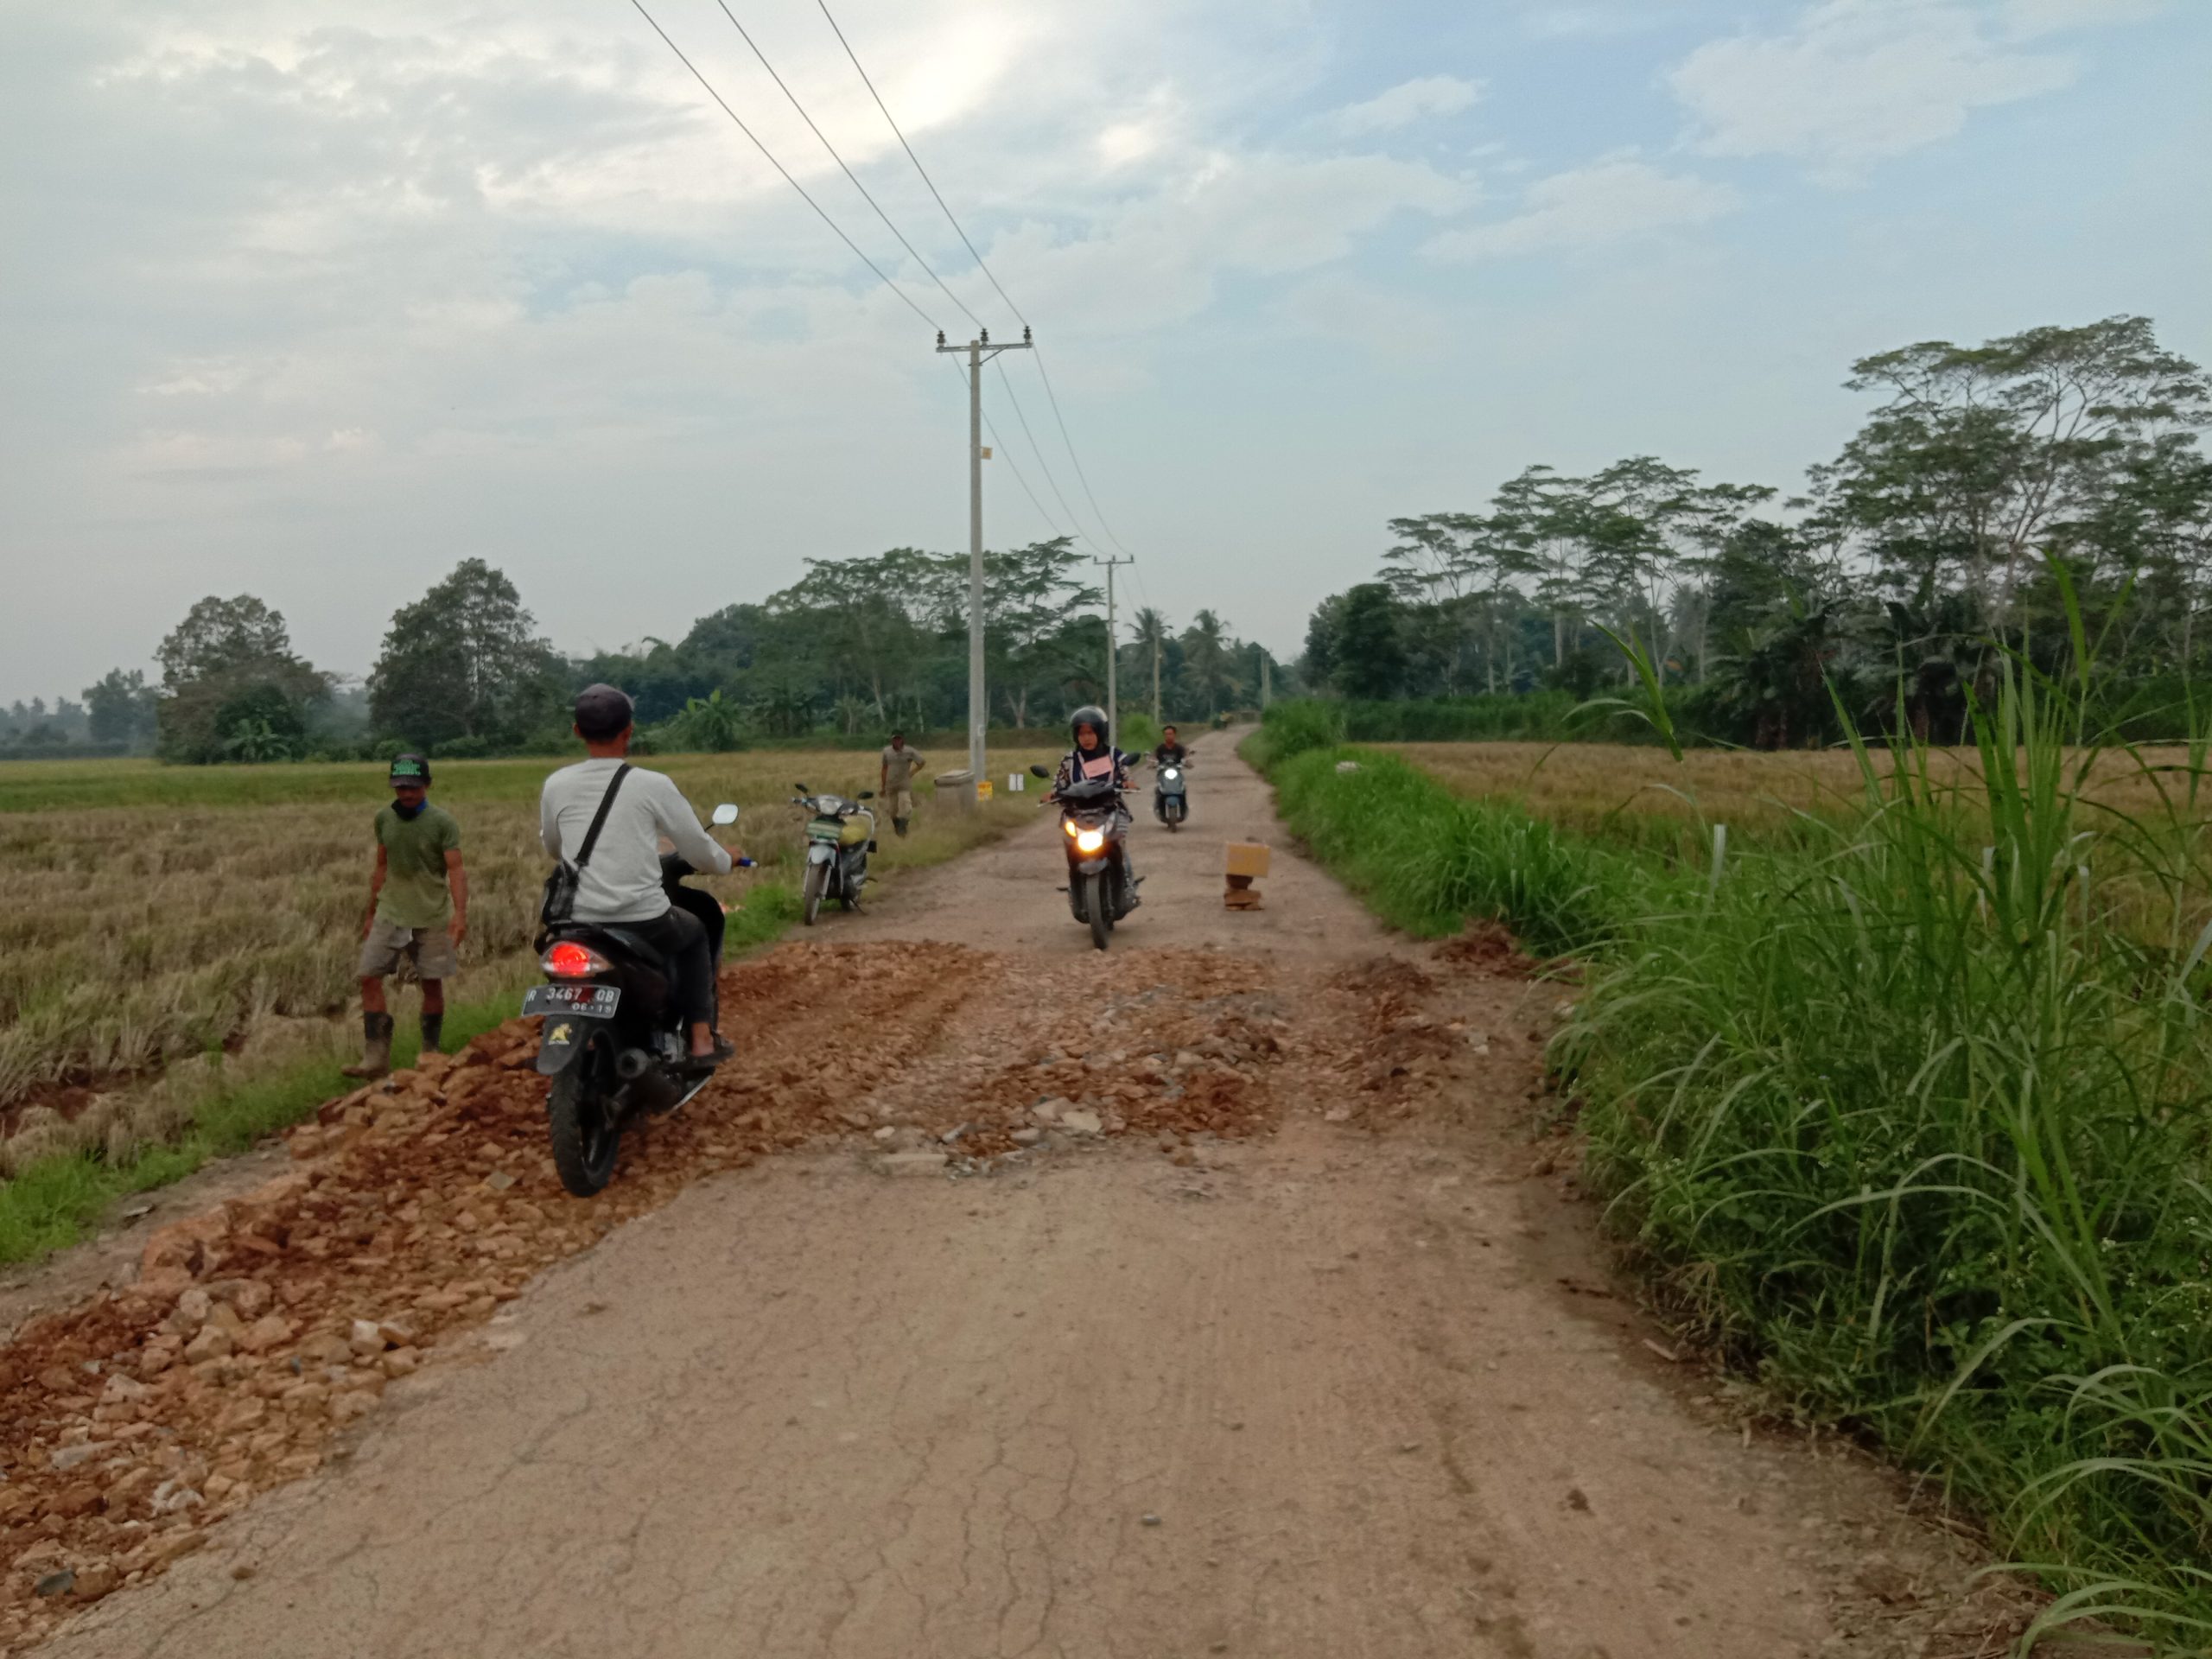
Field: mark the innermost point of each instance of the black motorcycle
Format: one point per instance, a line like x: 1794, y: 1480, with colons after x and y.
x: 840, y: 834
x: 1100, y: 891
x: 614, y: 1041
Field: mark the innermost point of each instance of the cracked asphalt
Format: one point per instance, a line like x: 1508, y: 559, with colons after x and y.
x: 1353, y: 1387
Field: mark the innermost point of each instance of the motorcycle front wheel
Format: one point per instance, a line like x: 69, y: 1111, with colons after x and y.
x: 817, y: 878
x: 1095, y: 905
x: 586, y: 1131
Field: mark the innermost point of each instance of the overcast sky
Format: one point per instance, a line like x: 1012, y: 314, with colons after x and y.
x: 312, y: 303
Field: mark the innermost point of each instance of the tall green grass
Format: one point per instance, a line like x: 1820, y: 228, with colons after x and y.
x: 1911, y: 1119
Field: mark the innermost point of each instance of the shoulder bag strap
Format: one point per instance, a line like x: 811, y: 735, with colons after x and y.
x: 599, y: 820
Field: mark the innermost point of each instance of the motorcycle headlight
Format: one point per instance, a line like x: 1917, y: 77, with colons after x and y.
x: 1171, y: 774
x: 1090, y: 840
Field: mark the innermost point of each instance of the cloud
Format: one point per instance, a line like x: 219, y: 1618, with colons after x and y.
x: 2026, y: 19
x: 1617, y: 199
x: 1580, y: 23
x: 1408, y: 102
x: 1854, y: 82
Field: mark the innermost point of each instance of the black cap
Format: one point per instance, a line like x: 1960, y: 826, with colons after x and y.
x: 603, y: 711
x: 410, y: 768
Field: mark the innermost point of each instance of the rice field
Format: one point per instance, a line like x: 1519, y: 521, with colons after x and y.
x: 1640, y: 795
x: 150, y: 914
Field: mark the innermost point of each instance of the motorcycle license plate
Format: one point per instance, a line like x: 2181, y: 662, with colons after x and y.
x: 595, y: 1001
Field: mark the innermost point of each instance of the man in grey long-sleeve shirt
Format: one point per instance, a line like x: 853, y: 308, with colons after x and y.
x: 621, y: 885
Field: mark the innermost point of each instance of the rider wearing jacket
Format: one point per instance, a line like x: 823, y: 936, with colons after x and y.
x: 1095, y: 757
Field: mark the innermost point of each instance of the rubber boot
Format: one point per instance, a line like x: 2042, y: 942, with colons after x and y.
x: 899, y: 824
x: 434, y: 1031
x: 376, y: 1047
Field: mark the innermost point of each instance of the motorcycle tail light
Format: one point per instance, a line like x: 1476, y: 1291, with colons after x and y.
x: 568, y: 960
x: 1090, y: 840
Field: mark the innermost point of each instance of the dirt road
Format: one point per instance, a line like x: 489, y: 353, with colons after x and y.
x: 1230, y: 1321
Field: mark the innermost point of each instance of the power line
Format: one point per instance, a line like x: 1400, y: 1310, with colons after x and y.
x: 1081, y: 476
x: 847, y: 171
x: 974, y: 252
x: 1054, y: 483
x: 772, y: 160
x: 1001, y: 448
x: 918, y: 168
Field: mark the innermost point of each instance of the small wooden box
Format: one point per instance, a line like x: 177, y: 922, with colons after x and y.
x: 1247, y: 858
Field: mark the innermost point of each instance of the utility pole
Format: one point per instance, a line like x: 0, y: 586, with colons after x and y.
x: 1160, y: 625
x: 979, y: 351
x: 1113, y: 715
x: 1266, y: 679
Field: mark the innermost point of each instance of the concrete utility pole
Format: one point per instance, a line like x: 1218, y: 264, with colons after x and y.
x: 1113, y: 715
x: 1267, y: 680
x: 979, y: 351
x: 1160, y: 623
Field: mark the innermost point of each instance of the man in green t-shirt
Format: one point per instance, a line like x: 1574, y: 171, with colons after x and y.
x: 418, y: 912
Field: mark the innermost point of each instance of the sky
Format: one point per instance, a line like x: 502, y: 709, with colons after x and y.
x: 313, y: 304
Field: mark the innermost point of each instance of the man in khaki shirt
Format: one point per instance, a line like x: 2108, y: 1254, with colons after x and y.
x: 900, y: 766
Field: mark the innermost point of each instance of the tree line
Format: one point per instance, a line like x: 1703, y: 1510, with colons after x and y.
x: 1995, y: 491
x: 857, y: 645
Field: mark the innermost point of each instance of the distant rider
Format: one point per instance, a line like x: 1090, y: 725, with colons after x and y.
x: 1095, y: 757
x: 1171, y: 752
x: 622, y: 884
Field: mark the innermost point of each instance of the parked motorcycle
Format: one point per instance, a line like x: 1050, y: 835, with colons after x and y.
x: 840, y: 834
x: 1171, y: 802
x: 1099, y: 891
x: 614, y: 1042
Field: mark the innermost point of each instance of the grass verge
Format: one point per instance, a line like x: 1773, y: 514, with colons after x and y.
x: 1910, y: 1120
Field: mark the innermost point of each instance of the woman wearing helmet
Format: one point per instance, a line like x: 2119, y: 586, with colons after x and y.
x: 1095, y: 757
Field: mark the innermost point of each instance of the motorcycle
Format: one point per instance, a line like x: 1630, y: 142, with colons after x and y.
x: 1099, y: 890
x: 1170, y: 794
x: 840, y: 834
x: 614, y: 1042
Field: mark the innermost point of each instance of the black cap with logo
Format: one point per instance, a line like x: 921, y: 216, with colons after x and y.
x: 410, y: 769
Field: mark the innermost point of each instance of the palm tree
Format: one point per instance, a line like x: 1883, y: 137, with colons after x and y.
x: 1208, y: 668
x: 1152, y: 636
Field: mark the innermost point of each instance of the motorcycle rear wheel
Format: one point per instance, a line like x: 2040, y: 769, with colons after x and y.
x: 1095, y: 905
x: 817, y: 878
x: 586, y: 1133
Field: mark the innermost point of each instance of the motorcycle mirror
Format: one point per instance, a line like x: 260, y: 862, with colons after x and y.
x: 801, y: 788
x: 725, y: 813
x: 1038, y: 772
x: 868, y: 795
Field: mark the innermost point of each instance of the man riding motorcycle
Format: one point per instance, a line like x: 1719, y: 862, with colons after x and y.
x: 1095, y: 757
x: 622, y: 884
x: 1171, y: 752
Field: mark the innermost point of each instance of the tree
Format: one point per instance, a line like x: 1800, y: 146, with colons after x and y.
x: 464, y: 661
x: 1981, y: 450
x: 1151, y: 643
x: 229, y: 661
x: 1370, y: 657
x: 1317, y: 663
x: 121, y: 709
x: 1209, y: 669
